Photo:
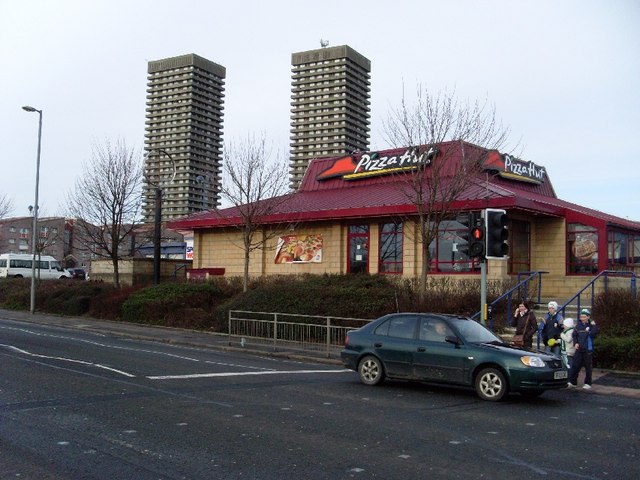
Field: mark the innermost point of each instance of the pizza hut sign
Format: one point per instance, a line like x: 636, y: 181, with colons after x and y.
x: 514, y: 168
x: 377, y: 163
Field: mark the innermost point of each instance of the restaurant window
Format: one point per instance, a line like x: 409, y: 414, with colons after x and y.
x: 519, y: 246
x: 358, y: 241
x: 447, y: 250
x: 582, y: 249
x: 390, y: 248
x: 623, y: 251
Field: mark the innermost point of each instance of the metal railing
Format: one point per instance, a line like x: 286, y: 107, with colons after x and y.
x: 521, y: 288
x: 286, y: 331
x: 590, y: 288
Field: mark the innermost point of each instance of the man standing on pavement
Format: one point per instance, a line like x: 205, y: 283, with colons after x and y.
x: 583, y: 336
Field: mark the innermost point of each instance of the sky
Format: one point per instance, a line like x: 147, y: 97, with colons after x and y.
x: 563, y: 76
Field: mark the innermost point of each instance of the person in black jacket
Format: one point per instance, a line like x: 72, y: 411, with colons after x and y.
x: 525, y: 322
x: 552, y: 329
x: 583, y: 335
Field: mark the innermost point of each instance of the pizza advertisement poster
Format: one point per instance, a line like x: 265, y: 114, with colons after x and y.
x: 585, y: 246
x: 299, y: 249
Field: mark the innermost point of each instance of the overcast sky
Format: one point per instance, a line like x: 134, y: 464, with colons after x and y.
x: 564, y: 76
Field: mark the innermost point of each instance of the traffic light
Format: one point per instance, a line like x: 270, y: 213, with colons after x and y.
x: 477, y: 241
x: 473, y: 235
x: 496, y: 233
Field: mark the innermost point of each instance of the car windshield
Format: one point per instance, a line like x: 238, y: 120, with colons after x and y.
x: 473, y: 332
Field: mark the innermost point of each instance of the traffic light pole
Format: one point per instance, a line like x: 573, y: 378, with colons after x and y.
x: 483, y: 292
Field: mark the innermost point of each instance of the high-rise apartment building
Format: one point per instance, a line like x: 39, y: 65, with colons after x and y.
x: 184, y: 124
x: 329, y: 106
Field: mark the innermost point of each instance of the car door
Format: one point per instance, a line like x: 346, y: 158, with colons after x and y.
x: 435, y: 359
x: 394, y: 344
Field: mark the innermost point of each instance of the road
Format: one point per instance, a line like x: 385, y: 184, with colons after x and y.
x: 79, y: 404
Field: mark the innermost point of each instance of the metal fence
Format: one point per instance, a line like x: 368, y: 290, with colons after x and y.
x: 285, y: 331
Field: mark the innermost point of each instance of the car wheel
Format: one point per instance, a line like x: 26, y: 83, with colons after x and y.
x: 491, y: 384
x: 17, y: 276
x: 371, y: 370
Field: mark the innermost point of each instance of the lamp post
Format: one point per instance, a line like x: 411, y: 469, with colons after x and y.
x: 35, y: 211
x: 157, y: 184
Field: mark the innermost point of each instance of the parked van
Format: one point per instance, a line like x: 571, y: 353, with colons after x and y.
x: 19, y: 265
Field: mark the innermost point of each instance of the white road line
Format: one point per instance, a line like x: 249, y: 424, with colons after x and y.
x: 98, y: 344
x: 72, y: 360
x: 240, y: 374
x: 236, y: 365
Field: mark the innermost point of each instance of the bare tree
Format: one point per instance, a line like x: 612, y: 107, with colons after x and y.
x: 255, y: 186
x: 435, y: 186
x: 107, y: 201
x: 6, y: 206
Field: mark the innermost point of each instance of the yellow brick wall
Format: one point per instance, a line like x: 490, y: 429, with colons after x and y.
x: 548, y: 245
x: 548, y: 253
x: 226, y: 250
x: 139, y: 270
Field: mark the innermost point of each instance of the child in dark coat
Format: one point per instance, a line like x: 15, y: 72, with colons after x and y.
x: 583, y: 335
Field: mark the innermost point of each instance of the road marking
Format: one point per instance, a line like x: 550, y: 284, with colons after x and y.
x: 99, y: 344
x: 72, y: 360
x: 241, y: 374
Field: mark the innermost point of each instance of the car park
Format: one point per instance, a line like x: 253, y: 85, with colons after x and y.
x: 449, y: 350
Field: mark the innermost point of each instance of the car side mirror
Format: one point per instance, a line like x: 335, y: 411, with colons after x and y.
x: 452, y: 339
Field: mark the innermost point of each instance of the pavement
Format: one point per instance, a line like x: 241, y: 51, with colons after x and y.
x: 605, y: 382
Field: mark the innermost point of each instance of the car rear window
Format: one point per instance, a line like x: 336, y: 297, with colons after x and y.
x: 399, y: 327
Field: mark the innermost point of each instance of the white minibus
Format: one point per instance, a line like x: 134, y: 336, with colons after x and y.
x: 19, y: 265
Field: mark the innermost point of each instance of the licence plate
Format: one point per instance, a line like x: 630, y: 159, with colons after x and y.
x: 560, y: 374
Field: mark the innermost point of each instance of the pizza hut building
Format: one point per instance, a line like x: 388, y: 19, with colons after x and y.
x: 354, y: 214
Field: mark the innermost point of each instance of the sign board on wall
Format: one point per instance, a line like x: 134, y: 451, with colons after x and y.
x: 299, y: 249
x: 373, y: 164
x: 513, y: 168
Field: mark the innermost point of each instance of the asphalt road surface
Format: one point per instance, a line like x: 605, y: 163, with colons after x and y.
x: 83, y: 405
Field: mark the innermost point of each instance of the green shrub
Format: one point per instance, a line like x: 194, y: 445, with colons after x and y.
x: 15, y: 293
x: 618, y: 353
x: 617, y: 313
x: 65, y: 297
x: 172, y: 303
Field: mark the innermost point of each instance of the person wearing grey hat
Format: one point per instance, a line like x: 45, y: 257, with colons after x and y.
x: 583, y: 335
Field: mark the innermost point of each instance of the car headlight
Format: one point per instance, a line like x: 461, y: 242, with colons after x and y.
x: 531, y: 361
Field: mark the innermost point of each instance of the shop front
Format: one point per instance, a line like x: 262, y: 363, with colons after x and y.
x: 362, y: 214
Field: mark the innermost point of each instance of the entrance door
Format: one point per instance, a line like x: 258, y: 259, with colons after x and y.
x: 358, y: 240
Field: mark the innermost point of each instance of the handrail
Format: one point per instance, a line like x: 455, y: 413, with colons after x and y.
x: 508, y: 294
x: 591, y: 283
x: 177, y: 268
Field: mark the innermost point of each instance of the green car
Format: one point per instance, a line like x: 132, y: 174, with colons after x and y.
x: 451, y: 350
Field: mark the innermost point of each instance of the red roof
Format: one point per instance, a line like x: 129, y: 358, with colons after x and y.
x: 338, y: 198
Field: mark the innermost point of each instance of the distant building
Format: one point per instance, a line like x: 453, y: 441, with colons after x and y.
x: 330, y: 97
x: 66, y: 240
x: 184, y: 121
x: 53, y: 236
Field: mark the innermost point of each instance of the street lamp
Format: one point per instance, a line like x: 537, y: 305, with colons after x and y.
x: 157, y: 183
x: 35, y: 210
